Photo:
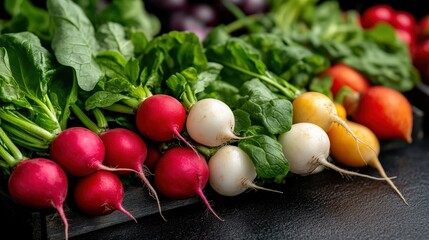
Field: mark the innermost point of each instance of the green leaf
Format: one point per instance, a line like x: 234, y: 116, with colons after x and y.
x: 131, y: 13
x: 267, y: 156
x: 111, y: 36
x: 63, y: 91
x: 27, y: 17
x: 74, y: 42
x: 9, y: 91
x: 102, y: 99
x: 207, y: 76
x: 112, y: 63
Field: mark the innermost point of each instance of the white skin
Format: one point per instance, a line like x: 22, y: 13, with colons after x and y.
x: 210, y: 122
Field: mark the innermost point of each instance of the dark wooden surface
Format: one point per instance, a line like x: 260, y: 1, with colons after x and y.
x: 321, y: 206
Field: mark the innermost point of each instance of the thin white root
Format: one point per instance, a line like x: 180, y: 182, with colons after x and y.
x: 377, y: 165
x: 329, y: 165
x: 251, y: 185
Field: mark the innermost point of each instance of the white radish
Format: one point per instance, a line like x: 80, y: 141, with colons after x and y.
x: 306, y: 146
x: 232, y: 172
x: 211, y: 122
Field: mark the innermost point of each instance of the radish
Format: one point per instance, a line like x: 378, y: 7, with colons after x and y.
x: 99, y: 194
x: 80, y: 152
x: 40, y: 183
x: 153, y: 156
x: 161, y: 117
x: 387, y: 112
x: 232, y: 171
x: 317, y: 108
x: 211, y: 122
x: 306, y: 146
x: 349, y: 154
x: 181, y: 174
x: 126, y: 149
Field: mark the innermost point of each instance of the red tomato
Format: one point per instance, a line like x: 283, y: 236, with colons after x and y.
x: 405, y: 21
x: 343, y: 75
x: 376, y: 14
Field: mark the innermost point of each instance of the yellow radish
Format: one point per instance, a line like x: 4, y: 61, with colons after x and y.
x: 345, y: 150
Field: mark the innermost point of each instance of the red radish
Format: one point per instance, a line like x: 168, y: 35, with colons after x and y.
x: 421, y: 60
x: 405, y: 21
x: 181, y: 174
x: 385, y: 111
x: 100, y: 194
x: 406, y: 36
x: 79, y: 151
x: 161, y: 117
x: 343, y: 75
x: 153, y: 156
x: 40, y: 183
x: 126, y: 149
x: 423, y: 28
x: 376, y: 14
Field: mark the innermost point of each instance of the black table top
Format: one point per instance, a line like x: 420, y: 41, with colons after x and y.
x: 325, y: 205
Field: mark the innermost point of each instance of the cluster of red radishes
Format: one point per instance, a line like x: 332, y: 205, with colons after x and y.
x: 414, y: 32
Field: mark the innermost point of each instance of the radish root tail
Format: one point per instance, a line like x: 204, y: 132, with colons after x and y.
x: 62, y: 214
x: 329, y: 165
x: 252, y: 185
x: 377, y: 165
x: 152, y: 193
x: 206, y: 202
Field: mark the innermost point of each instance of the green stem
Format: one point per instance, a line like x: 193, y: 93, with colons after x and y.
x: 29, y: 145
x: 289, y: 92
x: 101, y: 119
x: 236, y: 11
x: 240, y: 23
x: 206, y: 151
x: 189, y: 98
x: 49, y: 110
x: 15, y: 152
x: 7, y: 157
x: 85, y: 119
x: 24, y: 139
x: 26, y: 126
x: 132, y: 102
x: 12, y: 155
x: 120, y: 108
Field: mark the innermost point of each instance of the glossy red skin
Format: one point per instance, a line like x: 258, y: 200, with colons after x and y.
x: 409, y: 38
x: 160, y: 117
x: 421, y: 60
x: 343, y: 75
x: 99, y: 194
x: 377, y: 13
x: 181, y: 173
x: 153, y: 156
x: 124, y: 149
x: 423, y: 28
x: 405, y: 21
x: 78, y: 150
x: 38, y: 183
x: 386, y: 112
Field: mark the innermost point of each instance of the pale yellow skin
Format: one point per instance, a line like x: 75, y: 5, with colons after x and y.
x: 316, y: 108
x: 347, y: 151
